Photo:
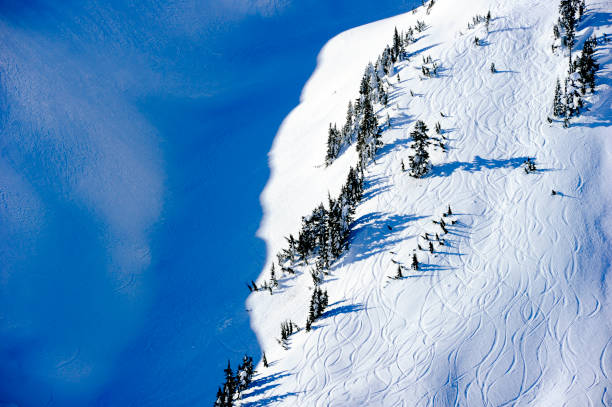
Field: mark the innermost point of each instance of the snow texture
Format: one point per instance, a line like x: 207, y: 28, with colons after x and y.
x: 515, y: 308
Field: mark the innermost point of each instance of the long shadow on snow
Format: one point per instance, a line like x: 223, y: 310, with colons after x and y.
x: 372, y: 187
x: 262, y: 385
x: 343, y: 309
x: 376, y: 232
x: 478, y: 164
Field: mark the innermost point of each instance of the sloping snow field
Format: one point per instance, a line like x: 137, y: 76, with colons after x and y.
x: 515, y: 308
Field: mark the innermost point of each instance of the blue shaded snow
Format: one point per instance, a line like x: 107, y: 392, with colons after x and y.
x: 133, y: 152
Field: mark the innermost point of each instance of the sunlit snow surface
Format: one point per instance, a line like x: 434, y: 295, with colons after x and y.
x: 515, y: 308
x: 133, y: 142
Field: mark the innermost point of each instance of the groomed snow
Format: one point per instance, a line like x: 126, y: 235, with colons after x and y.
x: 515, y: 309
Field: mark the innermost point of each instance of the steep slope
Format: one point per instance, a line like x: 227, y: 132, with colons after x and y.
x: 514, y: 309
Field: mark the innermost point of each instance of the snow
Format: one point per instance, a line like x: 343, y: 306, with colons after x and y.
x: 515, y: 309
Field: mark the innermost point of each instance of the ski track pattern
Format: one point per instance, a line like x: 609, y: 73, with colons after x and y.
x: 497, y: 317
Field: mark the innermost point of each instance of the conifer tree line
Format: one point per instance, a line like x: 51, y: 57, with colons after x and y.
x: 568, y: 98
x: 235, y: 384
x: 324, y: 233
x: 361, y: 124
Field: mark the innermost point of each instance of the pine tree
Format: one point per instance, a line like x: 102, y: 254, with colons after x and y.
x: 587, y: 67
x: 220, y: 400
x: 399, y: 272
x: 348, y: 129
x: 273, y: 280
x: 568, y: 21
x: 265, y: 360
x: 415, y: 262
x: 581, y: 8
x: 244, y: 374
x: 558, y: 108
x: 368, y: 138
x: 229, y: 388
x: 419, y: 162
x: 397, y: 46
x: 333, y: 144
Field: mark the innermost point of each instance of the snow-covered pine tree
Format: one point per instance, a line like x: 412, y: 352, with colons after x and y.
x: 368, y: 138
x: 318, y: 303
x: 558, y: 107
x: 419, y: 162
x: 334, y: 143
x: 398, y: 46
x: 273, y: 279
x: 587, y: 67
x: 567, y: 19
x: 581, y: 8
x: 229, y: 387
x: 348, y: 134
x: 244, y: 374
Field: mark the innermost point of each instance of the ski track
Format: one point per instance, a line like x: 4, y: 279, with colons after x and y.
x: 498, y: 317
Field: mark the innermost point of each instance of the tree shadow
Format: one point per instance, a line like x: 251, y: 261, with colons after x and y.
x: 261, y: 385
x: 268, y: 400
x: 372, y: 187
x: 478, y: 164
x: 389, y: 147
x: 343, y: 309
x: 507, y: 29
x: 376, y: 232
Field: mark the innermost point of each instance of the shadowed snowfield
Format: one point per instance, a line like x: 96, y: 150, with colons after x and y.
x: 133, y: 150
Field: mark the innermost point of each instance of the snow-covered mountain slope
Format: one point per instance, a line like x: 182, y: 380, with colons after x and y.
x: 515, y: 308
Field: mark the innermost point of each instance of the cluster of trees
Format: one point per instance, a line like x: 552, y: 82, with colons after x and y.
x: 287, y: 329
x: 324, y: 233
x: 235, y: 384
x: 568, y: 100
x: 361, y: 123
x: 318, y: 302
x: 571, y: 11
x: 478, y: 19
x: 429, y: 67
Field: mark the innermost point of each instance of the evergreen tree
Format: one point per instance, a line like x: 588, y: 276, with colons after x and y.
x: 587, y: 66
x: 399, y: 272
x: 244, y: 374
x: 558, y: 108
x: 229, y: 387
x: 415, y: 262
x: 220, y: 400
x: 419, y: 162
x: 397, y: 46
x: 318, y: 303
x: 568, y: 21
x: 273, y: 280
x: 334, y: 140
x: 368, y: 138
x: 348, y: 129
x: 265, y: 360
